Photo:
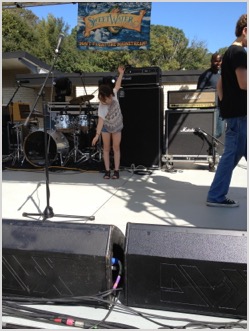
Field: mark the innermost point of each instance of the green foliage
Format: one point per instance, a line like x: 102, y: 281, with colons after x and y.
x: 196, y: 56
x: 18, y: 31
x: 222, y: 51
x: 169, y: 47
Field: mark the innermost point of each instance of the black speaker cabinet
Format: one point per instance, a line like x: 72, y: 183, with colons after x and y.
x: 185, y: 269
x: 58, y: 259
x: 182, y: 140
x: 142, y: 135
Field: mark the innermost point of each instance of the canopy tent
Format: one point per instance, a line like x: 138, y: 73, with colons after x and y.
x: 10, y: 5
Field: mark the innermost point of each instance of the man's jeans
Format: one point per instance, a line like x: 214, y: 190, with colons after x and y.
x: 235, y: 148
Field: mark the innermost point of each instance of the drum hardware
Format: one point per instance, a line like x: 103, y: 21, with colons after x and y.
x: 96, y: 152
x: 38, y: 114
x: 18, y: 153
x: 81, y: 99
x: 48, y: 211
x: 76, y: 151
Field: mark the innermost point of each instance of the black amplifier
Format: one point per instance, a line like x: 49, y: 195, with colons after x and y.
x: 142, y: 76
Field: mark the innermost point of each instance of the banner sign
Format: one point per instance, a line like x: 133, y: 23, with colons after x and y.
x: 114, y: 26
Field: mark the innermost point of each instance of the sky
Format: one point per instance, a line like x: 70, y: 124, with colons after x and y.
x: 210, y: 22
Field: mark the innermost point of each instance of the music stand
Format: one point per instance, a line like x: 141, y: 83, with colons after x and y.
x: 48, y: 211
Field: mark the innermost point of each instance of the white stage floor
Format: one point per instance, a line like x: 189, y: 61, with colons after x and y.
x: 176, y: 199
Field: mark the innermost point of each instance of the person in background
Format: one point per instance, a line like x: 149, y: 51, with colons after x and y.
x: 232, y: 92
x: 208, y: 80
x: 110, y: 124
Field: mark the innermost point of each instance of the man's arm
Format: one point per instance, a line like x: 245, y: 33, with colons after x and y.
x: 219, y: 89
x: 241, y: 74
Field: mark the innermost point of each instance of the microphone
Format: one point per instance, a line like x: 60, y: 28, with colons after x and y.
x: 22, y: 81
x: 198, y: 130
x: 61, y: 36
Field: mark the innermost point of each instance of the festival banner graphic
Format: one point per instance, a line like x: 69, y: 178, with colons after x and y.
x: 114, y: 26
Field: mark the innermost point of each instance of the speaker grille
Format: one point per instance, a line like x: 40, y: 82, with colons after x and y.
x: 180, y: 132
x: 55, y: 259
x: 142, y: 136
x: 186, y: 269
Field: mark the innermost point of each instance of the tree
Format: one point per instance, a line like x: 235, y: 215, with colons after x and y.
x: 196, y: 56
x: 222, y: 50
x: 166, y: 45
x: 169, y: 48
x: 18, y: 31
x: 48, y: 32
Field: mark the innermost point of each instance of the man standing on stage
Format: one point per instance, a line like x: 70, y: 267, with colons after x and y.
x: 232, y: 92
x: 208, y: 80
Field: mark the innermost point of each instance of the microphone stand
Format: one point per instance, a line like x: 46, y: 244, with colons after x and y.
x: 216, y: 139
x: 48, y: 212
x: 212, y: 146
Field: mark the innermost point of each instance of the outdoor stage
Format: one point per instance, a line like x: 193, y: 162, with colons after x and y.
x: 161, y: 198
x: 169, y: 198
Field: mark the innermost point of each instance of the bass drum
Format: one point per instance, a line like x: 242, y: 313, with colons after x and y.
x: 34, y: 144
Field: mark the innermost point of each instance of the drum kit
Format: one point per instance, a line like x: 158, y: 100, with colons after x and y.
x: 69, y: 140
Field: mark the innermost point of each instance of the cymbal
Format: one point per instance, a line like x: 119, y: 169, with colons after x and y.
x: 38, y: 114
x: 81, y: 99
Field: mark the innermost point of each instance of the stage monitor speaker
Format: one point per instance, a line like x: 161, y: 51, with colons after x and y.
x: 181, y: 138
x: 59, y: 259
x: 142, y: 135
x: 186, y: 269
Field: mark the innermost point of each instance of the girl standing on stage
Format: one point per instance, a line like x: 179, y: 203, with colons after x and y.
x: 110, y: 124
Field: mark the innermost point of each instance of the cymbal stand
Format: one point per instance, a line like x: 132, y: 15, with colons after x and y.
x: 89, y: 108
x: 18, y: 153
x: 48, y: 212
x: 84, y: 86
x: 97, y: 154
x: 76, y: 151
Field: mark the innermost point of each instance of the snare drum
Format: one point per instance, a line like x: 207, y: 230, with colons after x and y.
x: 83, y: 123
x: 33, y: 126
x: 34, y: 147
x: 64, y: 123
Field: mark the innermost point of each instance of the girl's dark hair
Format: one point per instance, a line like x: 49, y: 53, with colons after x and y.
x: 105, y: 91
